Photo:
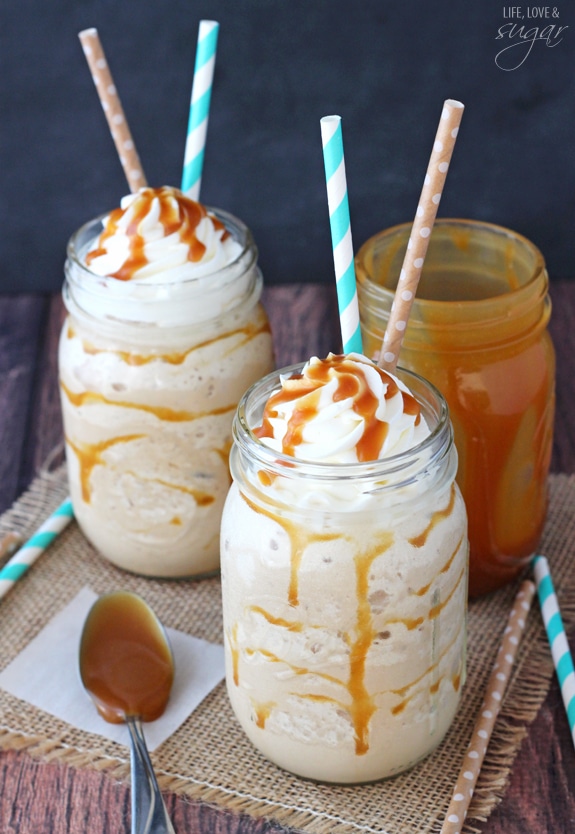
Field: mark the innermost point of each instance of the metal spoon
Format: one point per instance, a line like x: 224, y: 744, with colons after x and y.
x: 127, y: 667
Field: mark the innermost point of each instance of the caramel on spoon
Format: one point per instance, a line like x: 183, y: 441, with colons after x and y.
x: 127, y: 667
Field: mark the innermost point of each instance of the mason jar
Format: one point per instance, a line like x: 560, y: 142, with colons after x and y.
x: 478, y: 331
x: 344, y: 592
x: 150, y: 377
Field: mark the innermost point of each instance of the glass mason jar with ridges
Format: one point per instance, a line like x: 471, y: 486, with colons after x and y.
x: 344, y: 599
x: 150, y: 377
x: 478, y: 331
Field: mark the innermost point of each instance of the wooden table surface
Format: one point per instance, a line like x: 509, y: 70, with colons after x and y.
x: 55, y: 799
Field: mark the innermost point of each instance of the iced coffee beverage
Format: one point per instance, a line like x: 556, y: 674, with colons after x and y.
x: 344, y: 570
x: 164, y: 333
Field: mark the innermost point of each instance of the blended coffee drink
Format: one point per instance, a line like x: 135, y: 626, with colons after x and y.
x: 344, y: 570
x: 164, y: 334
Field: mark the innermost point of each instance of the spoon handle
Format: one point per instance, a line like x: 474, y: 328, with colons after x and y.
x: 149, y: 814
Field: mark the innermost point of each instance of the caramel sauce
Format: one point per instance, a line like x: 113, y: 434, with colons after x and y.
x: 297, y: 670
x: 262, y: 712
x: 351, y: 383
x: 234, y: 652
x: 290, y: 625
x: 178, y: 214
x: 264, y: 478
x: 439, y: 515
x: 125, y: 661
x: 433, y: 687
x: 299, y: 539
x: 420, y: 592
x: 436, y: 610
x: 362, y: 703
x: 202, y: 499
x: 249, y: 332
x: 410, y: 624
x: 319, y: 699
x: 161, y: 412
x: 449, y: 562
x: 89, y: 455
x: 461, y: 237
x: 501, y: 402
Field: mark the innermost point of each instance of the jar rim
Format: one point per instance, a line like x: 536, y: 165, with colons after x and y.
x: 538, y: 270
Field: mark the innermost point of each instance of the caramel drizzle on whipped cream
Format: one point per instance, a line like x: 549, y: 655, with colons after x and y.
x: 178, y: 214
x: 351, y: 383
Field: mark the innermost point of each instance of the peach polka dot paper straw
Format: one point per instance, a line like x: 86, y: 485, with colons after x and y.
x: 113, y: 109
x: 469, y: 773
x: 421, y: 231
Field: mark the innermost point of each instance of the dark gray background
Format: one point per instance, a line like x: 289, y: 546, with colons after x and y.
x: 385, y: 67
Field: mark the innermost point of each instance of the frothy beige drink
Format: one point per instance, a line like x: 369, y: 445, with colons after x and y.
x: 164, y: 333
x: 344, y: 570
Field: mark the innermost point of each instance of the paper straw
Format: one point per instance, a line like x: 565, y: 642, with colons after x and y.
x: 421, y: 232
x: 489, y: 711
x: 200, y: 108
x: 332, y: 141
x: 24, y: 558
x: 557, y: 637
x: 112, y: 107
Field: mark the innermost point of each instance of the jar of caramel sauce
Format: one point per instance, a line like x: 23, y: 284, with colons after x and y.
x: 478, y: 331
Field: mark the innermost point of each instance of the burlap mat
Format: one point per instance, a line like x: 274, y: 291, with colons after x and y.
x: 209, y: 758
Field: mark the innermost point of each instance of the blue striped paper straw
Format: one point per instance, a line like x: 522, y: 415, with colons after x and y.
x: 557, y: 637
x: 200, y: 108
x: 332, y: 141
x: 24, y: 558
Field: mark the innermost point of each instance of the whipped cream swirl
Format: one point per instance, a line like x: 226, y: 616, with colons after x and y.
x: 158, y: 235
x: 342, y: 409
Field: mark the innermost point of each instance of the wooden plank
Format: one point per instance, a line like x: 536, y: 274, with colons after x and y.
x: 57, y: 799
x: 562, y: 329
x: 304, y: 321
x: 45, y: 432
x: 21, y: 323
x: 540, y: 797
